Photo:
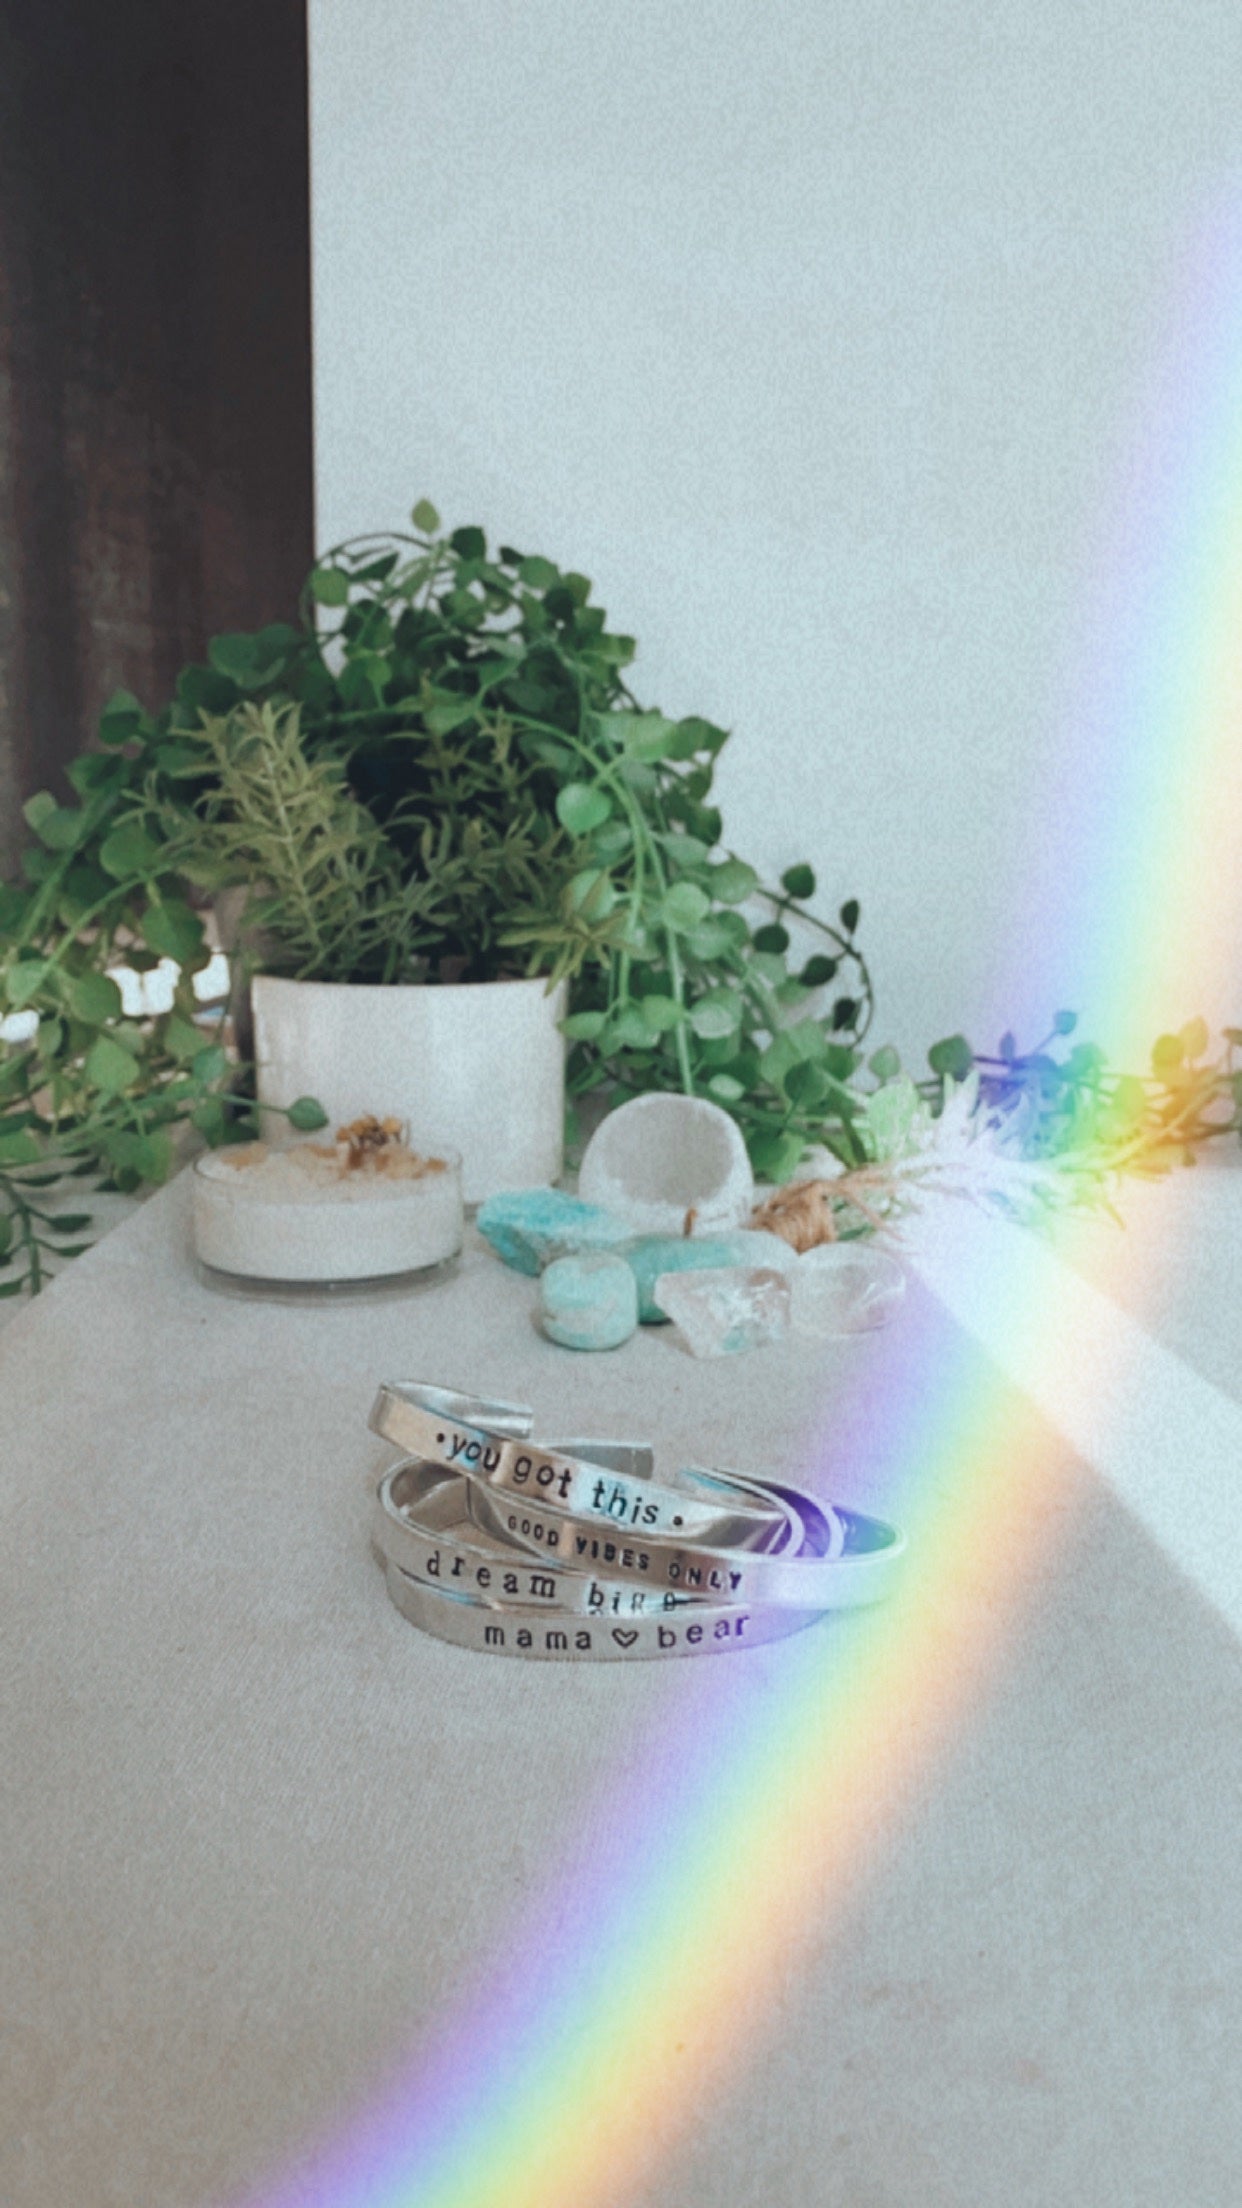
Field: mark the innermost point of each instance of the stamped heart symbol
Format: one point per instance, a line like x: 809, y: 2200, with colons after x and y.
x: 624, y: 1639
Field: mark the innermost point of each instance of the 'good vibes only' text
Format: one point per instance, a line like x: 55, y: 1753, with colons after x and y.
x: 487, y: 1459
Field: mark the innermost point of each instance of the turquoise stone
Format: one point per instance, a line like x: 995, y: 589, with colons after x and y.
x: 653, y: 1254
x: 528, y: 1227
x: 589, y: 1301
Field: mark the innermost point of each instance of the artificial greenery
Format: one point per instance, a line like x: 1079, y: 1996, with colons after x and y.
x: 440, y: 774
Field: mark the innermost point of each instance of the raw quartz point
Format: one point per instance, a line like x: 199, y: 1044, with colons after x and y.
x: 727, y: 1308
x: 845, y: 1288
x: 654, y: 1255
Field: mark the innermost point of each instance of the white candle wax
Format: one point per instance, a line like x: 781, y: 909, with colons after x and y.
x: 275, y: 1215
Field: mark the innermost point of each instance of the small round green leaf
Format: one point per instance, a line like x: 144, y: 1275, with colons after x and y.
x: 181, y: 1038
x: 660, y: 1013
x: 683, y: 906
x: 584, y: 1027
x: 732, y: 882
x: 700, y: 735
x: 799, y: 882
x: 23, y: 982
x: 806, y: 1084
x: 646, y: 736
x: 128, y: 851
x: 612, y: 841
x: 715, y: 938
x: 110, y: 1067
x: 951, y: 1057
x: 718, y: 1013
x: 307, y: 1115
x: 581, y: 806
x: 773, y: 937
x: 21, y: 1148
x: 329, y: 586
x: 174, y: 931
x: 425, y: 517
x: 849, y: 915
x: 818, y: 970
x: 627, y: 1030
x: 209, y: 1065
x: 591, y: 895
x: 121, y: 718
x: 62, y: 828
x: 469, y: 543
x: 94, y: 998
x: 211, y: 1119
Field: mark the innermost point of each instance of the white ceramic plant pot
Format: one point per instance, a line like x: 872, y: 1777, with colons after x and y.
x: 476, y: 1067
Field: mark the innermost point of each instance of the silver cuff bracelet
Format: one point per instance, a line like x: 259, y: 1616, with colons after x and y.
x: 424, y: 1422
x: 709, y: 1630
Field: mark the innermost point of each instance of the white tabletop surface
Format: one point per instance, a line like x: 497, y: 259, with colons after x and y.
x: 264, y: 1846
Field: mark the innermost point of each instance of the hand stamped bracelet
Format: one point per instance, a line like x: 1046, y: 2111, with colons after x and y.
x: 451, y: 1429
x: 854, y: 1566
x: 840, y: 1558
x: 706, y: 1630
x: 824, y: 1557
x: 423, y: 1525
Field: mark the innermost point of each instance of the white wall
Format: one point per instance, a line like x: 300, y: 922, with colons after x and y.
x: 820, y: 337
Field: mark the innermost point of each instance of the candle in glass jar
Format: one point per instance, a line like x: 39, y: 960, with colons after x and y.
x: 363, y: 1208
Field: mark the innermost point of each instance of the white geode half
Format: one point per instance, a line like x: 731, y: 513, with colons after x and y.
x: 660, y: 1158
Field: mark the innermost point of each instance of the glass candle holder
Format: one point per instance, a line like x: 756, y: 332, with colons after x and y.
x: 300, y: 1220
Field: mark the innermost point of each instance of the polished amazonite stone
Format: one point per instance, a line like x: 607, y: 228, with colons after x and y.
x: 652, y: 1254
x: 589, y: 1301
x: 529, y: 1227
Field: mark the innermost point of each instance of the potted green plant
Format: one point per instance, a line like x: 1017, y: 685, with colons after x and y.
x: 453, y: 809
x: 437, y: 781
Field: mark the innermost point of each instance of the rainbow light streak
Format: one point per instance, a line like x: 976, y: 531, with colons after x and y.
x: 575, y: 2062
x: 1138, y: 885
x: 570, y: 2068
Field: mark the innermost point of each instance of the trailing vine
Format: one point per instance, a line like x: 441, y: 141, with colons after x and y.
x: 440, y: 773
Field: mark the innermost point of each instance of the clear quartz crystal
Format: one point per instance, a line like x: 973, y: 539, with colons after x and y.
x: 726, y: 1308
x: 845, y: 1288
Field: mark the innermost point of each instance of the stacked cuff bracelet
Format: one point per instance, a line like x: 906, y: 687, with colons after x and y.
x: 516, y: 1631
x: 483, y: 1551
x: 568, y: 1491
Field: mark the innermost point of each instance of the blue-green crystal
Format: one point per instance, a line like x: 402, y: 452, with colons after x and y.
x: 652, y: 1254
x: 589, y: 1301
x: 529, y: 1227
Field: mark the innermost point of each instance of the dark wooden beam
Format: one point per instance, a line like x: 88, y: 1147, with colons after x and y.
x: 155, y: 381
